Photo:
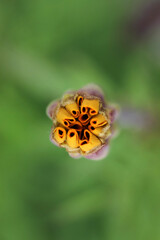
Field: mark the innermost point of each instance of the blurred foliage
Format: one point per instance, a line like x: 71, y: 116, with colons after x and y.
x: 48, y: 47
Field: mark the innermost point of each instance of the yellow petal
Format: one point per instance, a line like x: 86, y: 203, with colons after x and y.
x: 79, y: 100
x: 84, y: 118
x: 92, y: 105
x: 73, y: 109
x: 64, y: 117
x: 59, y: 134
x: 72, y: 138
x: 96, y: 131
x: 90, y: 142
x: 98, y: 121
x: 100, y: 131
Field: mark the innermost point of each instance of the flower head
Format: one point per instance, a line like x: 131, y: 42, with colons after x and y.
x: 82, y: 123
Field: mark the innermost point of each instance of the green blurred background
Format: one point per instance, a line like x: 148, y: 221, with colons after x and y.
x: 46, y: 48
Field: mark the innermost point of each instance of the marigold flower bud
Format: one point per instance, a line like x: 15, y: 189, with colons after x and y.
x: 83, y: 123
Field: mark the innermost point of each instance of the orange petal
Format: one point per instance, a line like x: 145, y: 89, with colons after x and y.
x: 76, y: 125
x: 79, y: 100
x: 90, y: 142
x: 59, y: 134
x: 72, y: 138
x: 92, y: 105
x: 84, y: 118
x: 73, y: 109
x: 98, y: 121
x: 84, y: 110
x: 64, y: 117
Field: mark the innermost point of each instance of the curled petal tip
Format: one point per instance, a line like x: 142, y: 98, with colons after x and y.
x: 51, y: 137
x: 59, y: 134
x: 94, y: 90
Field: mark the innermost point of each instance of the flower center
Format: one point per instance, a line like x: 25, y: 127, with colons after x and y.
x: 80, y: 124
